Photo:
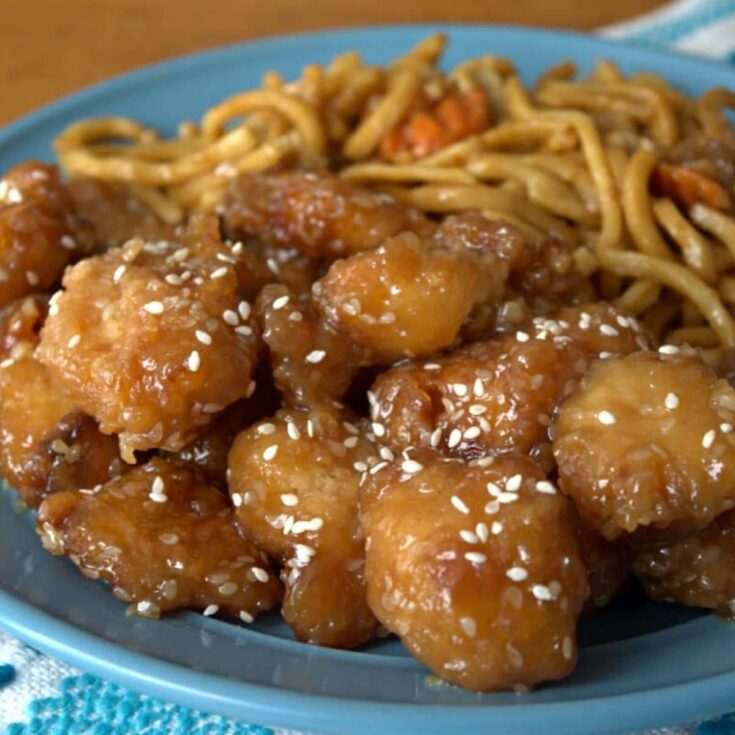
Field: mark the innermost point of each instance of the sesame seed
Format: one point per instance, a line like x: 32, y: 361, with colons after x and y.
x: 481, y: 531
x: 544, y: 486
x: 476, y: 557
x: 566, y: 647
x: 496, y: 528
x: 459, y: 504
x: 472, y: 433
x: 210, y: 610
x: 386, y: 453
x: 243, y: 309
x: 668, y: 349
x: 295, y: 316
x: 708, y: 439
x: 236, y: 500
x: 194, y: 361
x: 608, y: 331
x: 513, y: 484
x: 541, y: 592
x: 170, y: 539
x: 157, y: 486
x: 181, y: 254
x: 74, y: 341
x: 153, y: 307
x: 304, y: 553
x: 606, y: 418
x: 315, y: 356
x: 293, y: 431
x: 173, y: 280
x: 289, y: 499
x: 672, y: 401
x: 260, y: 574
x: 493, y: 489
x: 478, y: 388
x: 411, y: 467
x: 246, y: 617
x: 477, y: 410
x: 280, y: 302
x: 270, y: 452
x: 118, y: 274
x: 460, y: 389
x: 726, y: 428
x: 230, y: 317
x: 378, y: 429
x: 204, y: 337
x: 350, y: 442
x: 220, y: 272
x: 469, y: 626
x: 266, y: 429
x: 517, y: 574
x: 250, y: 389
x: 32, y: 278
x: 455, y: 437
x: 68, y: 242
x: 492, y: 507
x: 507, y: 497
x: 432, y: 366
x: 360, y: 466
x: 522, y: 337
x: 468, y: 536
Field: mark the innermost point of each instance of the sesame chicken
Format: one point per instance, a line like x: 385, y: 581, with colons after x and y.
x: 163, y: 540
x: 461, y: 566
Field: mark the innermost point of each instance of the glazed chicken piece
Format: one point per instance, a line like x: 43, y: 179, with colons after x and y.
x: 461, y: 564
x: 152, y: 340
x: 404, y: 299
x: 294, y: 483
x: 311, y: 362
x: 697, y: 571
x: 163, y: 540
x: 36, y: 230
x: 113, y: 215
x: 645, y: 445
x: 30, y: 405
x: 498, y: 396
x: 207, y: 454
x: 318, y: 214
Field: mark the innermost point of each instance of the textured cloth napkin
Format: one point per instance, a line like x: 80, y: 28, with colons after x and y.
x: 42, y: 696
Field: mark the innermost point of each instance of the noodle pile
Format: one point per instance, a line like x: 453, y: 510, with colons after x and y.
x: 636, y: 176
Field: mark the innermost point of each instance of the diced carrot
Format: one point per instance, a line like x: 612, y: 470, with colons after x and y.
x: 424, y: 134
x: 687, y: 187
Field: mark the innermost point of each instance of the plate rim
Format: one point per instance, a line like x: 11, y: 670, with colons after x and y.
x: 175, y: 682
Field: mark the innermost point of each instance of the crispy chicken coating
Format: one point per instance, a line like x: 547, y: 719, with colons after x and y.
x: 113, y: 215
x: 318, y: 214
x: 163, y: 540
x: 36, y: 228
x: 401, y: 299
x: 697, y: 571
x: 294, y: 483
x: 30, y: 404
x: 498, y: 396
x: 152, y: 340
x: 645, y: 445
x: 312, y: 362
x: 461, y: 564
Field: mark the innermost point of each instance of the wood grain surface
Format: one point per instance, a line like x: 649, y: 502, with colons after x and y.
x: 49, y: 48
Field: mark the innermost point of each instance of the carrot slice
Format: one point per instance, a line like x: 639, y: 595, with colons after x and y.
x: 688, y: 187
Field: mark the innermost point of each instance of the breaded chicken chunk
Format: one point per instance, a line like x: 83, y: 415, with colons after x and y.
x: 318, y: 214
x: 697, y: 571
x: 498, y: 396
x: 152, y: 340
x: 462, y: 563
x: 163, y: 540
x: 311, y: 361
x: 645, y: 445
x: 36, y: 230
x: 294, y: 483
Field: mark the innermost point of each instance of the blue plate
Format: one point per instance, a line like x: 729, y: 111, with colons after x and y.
x: 642, y: 664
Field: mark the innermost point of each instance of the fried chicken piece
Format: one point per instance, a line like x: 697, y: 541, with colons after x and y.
x: 113, y: 215
x: 498, y: 396
x: 207, y: 454
x: 476, y: 568
x: 607, y: 564
x: 163, y: 540
x: 311, y: 362
x: 319, y: 214
x: 401, y: 299
x: 645, y: 445
x: 152, y: 340
x: 294, y: 483
x: 36, y: 226
x: 30, y: 405
x: 696, y: 571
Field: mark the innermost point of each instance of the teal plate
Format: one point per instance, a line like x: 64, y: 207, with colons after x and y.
x: 641, y: 665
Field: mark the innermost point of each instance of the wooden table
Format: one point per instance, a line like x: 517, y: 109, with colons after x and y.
x: 51, y: 47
